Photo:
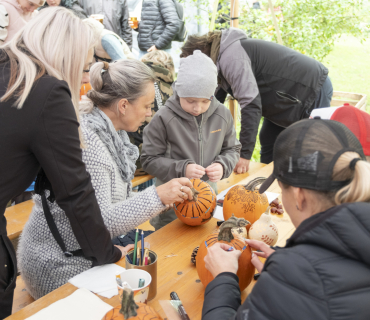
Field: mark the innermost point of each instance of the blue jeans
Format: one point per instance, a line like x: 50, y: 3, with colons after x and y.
x: 113, y: 47
x: 142, y: 53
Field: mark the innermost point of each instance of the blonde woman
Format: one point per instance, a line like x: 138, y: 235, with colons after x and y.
x: 323, y: 272
x: 122, y: 95
x: 14, y: 14
x: 40, y: 76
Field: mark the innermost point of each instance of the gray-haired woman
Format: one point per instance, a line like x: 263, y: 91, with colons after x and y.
x: 122, y: 96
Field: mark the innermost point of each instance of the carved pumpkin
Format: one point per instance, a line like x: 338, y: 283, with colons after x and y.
x: 199, y: 210
x: 129, y: 309
x: 245, y: 202
x: 225, y: 235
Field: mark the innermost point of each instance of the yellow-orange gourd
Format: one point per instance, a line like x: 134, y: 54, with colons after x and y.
x: 199, y: 210
x: 245, y: 270
x: 245, y: 202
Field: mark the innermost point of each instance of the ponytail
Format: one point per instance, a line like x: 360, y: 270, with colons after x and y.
x: 358, y: 190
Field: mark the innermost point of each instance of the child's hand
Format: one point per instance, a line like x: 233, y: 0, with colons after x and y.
x: 194, y: 171
x: 215, y: 172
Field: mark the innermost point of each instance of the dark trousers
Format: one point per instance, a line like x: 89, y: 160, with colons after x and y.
x: 270, y: 131
x: 7, y: 278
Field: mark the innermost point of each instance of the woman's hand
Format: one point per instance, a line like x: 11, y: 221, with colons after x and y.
x: 215, y: 172
x: 194, y: 171
x: 266, y: 252
x: 174, y: 191
x: 126, y: 249
x: 219, y: 260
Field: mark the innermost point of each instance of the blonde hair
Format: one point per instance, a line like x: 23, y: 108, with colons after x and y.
x: 359, y: 187
x: 55, y: 42
x: 162, y: 58
x: 122, y: 79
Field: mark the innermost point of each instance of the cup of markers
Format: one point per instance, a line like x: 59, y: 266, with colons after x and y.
x: 137, y: 280
x: 149, y: 265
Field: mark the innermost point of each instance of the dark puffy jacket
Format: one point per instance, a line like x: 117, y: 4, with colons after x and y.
x: 322, y: 273
x: 72, y: 5
x: 159, y: 24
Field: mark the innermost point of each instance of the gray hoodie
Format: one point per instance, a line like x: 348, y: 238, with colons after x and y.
x: 173, y: 139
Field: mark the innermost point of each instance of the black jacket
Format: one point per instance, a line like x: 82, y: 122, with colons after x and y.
x: 72, y: 5
x: 44, y: 133
x: 159, y: 24
x: 267, y: 79
x: 322, y: 273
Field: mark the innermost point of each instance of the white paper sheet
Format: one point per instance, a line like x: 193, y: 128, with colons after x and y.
x: 101, y: 280
x: 81, y: 304
x: 219, y: 213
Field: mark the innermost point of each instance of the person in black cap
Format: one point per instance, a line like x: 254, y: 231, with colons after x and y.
x: 323, y: 272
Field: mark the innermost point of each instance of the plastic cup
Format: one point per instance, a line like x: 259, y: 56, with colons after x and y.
x: 132, y: 277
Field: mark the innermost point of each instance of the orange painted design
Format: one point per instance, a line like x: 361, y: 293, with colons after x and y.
x: 245, y: 204
x: 195, y: 213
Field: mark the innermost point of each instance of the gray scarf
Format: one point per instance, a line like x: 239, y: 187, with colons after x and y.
x: 118, y: 143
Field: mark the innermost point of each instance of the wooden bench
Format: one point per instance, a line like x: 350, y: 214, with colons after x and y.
x: 17, y: 217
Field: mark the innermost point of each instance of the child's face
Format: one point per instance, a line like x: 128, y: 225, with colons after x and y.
x: 195, y: 106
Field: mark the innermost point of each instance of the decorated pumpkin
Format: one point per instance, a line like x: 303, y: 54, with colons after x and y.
x: 225, y: 235
x: 264, y: 229
x: 129, y: 309
x: 199, y: 210
x: 245, y: 202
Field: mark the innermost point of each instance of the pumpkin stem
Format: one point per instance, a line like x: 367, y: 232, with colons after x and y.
x: 195, y: 194
x: 252, y: 185
x: 225, y: 233
x: 268, y: 210
x: 128, y: 305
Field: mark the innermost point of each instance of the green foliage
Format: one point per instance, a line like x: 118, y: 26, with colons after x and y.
x: 308, y: 26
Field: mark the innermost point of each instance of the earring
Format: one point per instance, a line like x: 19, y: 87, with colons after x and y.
x: 297, y: 207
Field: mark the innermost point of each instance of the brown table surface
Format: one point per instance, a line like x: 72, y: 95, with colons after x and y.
x: 174, y: 273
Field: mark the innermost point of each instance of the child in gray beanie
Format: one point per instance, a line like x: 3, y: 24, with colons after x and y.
x: 193, y: 134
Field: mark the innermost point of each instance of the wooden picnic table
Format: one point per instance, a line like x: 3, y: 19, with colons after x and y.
x: 176, y: 272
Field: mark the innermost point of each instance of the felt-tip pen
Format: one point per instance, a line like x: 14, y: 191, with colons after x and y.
x: 182, y: 312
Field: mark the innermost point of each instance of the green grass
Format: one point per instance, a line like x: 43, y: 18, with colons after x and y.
x: 349, y: 71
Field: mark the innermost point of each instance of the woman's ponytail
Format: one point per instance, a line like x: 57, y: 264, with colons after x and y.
x: 348, y: 167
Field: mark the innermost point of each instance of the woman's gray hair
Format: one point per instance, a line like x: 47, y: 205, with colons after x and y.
x: 123, y: 79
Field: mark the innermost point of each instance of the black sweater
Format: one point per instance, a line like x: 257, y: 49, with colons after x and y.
x: 322, y: 273
x: 44, y: 133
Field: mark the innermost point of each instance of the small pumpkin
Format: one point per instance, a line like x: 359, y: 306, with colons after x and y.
x: 129, y: 309
x: 264, y: 229
x: 225, y: 235
x: 245, y: 202
x: 199, y: 210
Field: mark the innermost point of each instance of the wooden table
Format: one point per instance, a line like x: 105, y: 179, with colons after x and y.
x: 175, y: 273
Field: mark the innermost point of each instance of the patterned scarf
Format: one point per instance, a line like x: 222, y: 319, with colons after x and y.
x: 117, y: 142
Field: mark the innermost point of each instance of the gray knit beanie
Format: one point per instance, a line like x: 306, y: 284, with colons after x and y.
x: 197, y: 77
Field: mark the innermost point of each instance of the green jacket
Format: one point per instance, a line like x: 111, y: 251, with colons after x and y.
x: 173, y: 139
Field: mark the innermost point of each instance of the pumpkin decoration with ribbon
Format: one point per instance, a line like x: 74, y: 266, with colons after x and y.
x: 199, y: 210
x: 245, y: 202
x: 129, y: 309
x: 225, y: 235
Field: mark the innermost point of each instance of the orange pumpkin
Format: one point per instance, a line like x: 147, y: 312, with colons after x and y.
x: 245, y: 202
x: 199, y: 210
x: 85, y: 88
x: 246, y: 268
x: 142, y: 311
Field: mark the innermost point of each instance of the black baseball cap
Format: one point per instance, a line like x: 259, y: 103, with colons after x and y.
x: 305, y: 154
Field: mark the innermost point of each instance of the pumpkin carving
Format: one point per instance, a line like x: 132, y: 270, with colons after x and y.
x: 199, y: 210
x: 225, y: 235
x: 129, y: 309
x: 245, y: 202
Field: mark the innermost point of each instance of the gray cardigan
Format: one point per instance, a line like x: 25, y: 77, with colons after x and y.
x: 42, y: 263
